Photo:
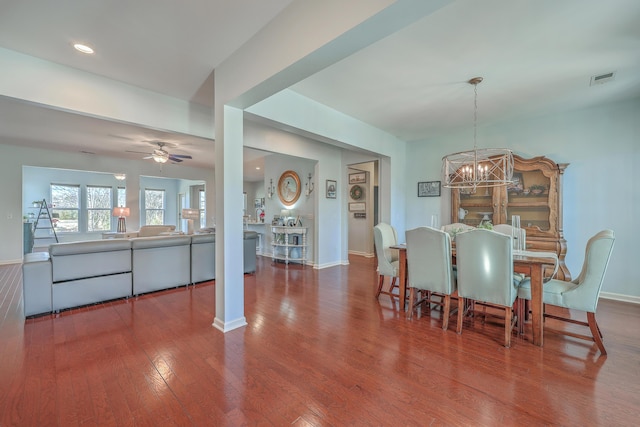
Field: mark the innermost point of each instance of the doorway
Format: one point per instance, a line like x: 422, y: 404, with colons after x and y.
x: 362, y: 207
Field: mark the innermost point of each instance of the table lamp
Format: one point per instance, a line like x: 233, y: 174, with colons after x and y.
x: 190, y: 214
x: 121, y: 212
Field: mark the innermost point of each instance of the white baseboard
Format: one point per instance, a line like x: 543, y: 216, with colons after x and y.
x: 11, y: 261
x: 229, y: 326
x: 620, y: 297
x: 364, y: 254
x: 330, y: 264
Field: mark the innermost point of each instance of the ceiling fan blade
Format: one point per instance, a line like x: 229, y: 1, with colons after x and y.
x: 148, y: 157
x: 174, y: 159
x: 181, y: 156
x: 138, y: 152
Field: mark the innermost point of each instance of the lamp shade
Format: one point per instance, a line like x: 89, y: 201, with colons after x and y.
x: 121, y: 211
x: 190, y: 213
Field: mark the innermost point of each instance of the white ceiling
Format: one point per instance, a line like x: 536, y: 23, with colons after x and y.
x: 536, y: 57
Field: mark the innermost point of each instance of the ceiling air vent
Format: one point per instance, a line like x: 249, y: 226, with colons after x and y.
x: 602, y: 78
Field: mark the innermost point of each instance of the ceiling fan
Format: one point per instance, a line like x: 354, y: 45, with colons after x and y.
x: 160, y: 155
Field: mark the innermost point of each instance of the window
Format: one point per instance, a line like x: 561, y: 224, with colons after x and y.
x: 122, y: 196
x: 202, y: 204
x: 154, y: 207
x: 66, y: 205
x: 98, y: 208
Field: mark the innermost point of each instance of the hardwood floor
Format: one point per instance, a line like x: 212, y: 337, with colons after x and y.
x: 319, y: 350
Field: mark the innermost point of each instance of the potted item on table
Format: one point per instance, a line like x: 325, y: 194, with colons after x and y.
x: 486, y: 224
x: 537, y: 189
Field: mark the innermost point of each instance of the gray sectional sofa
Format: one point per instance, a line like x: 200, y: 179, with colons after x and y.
x: 160, y: 263
x: 88, y: 272
x: 80, y: 273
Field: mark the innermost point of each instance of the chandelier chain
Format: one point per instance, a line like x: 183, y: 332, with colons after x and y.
x: 475, y: 115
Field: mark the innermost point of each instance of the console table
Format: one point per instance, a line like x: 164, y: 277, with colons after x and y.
x: 289, y: 244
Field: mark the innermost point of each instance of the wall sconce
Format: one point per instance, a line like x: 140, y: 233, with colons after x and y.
x: 190, y: 214
x: 271, y: 189
x: 308, y: 186
x: 121, y: 212
x: 120, y: 176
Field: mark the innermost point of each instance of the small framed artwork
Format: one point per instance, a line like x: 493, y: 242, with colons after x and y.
x: 357, y: 206
x: 358, y: 178
x: 517, y: 183
x: 429, y: 189
x: 360, y: 215
x: 331, y: 189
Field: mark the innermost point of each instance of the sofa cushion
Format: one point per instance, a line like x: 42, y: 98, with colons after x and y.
x: 80, y: 292
x: 250, y: 235
x: 159, y: 241
x: 81, y: 260
x: 202, y: 238
x: 203, y: 257
x: 155, y: 230
x: 89, y: 246
x: 160, y: 263
x: 36, y: 283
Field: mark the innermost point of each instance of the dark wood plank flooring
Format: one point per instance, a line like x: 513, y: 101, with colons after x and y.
x: 319, y: 350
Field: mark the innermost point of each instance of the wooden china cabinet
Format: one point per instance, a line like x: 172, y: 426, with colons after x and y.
x: 535, y: 195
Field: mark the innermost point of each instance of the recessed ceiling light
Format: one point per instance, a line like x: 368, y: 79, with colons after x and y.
x: 258, y: 168
x: 83, y: 48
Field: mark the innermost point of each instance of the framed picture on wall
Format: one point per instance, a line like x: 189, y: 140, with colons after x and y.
x: 429, y: 189
x: 358, y: 178
x: 357, y: 206
x: 331, y: 189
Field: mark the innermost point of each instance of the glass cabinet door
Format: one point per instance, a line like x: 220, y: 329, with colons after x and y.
x: 471, y: 206
x: 528, y: 197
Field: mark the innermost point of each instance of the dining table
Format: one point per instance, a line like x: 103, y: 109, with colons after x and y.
x: 526, y: 263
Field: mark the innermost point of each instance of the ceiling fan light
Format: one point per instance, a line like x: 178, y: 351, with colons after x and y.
x: 159, y: 158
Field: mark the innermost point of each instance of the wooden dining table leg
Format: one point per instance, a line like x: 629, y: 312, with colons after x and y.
x: 537, y: 307
x: 402, y: 286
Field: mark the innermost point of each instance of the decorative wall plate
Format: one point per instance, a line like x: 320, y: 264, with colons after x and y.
x: 356, y: 192
x: 289, y: 188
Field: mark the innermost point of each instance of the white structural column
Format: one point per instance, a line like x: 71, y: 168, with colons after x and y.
x: 229, y: 231
x: 264, y: 66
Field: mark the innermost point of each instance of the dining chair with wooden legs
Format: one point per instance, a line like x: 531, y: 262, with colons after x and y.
x: 385, y: 236
x: 582, y: 293
x: 521, y: 233
x: 430, y: 271
x: 484, y: 261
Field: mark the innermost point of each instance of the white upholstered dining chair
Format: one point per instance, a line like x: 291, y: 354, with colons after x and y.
x: 430, y: 270
x: 582, y: 293
x: 385, y: 236
x: 508, y: 230
x: 485, y: 274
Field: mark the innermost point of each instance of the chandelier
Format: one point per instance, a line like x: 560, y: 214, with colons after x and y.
x: 484, y: 167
